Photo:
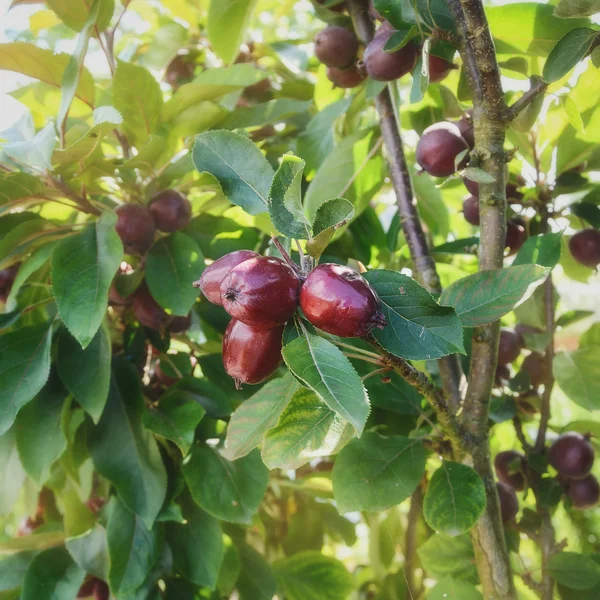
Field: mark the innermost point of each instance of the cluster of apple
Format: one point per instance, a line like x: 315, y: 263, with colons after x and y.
x: 262, y: 293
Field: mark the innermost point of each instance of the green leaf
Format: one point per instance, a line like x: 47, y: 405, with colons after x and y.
x: 35, y: 541
x: 453, y: 588
x: 267, y: 113
x: 230, y: 568
x: 578, y: 375
x: 132, y: 549
x: 24, y: 369
x: 137, y: 96
x: 285, y: 199
x: 230, y: 491
x: 12, y: 474
x: 442, y: 555
x: 43, y: 64
x: 455, y: 499
x: 197, y: 547
x: 479, y: 175
x: 576, y: 571
x: 567, y: 52
x: 227, y: 22
x: 486, y: 296
x: 306, y: 429
x: 376, y: 472
x: 172, y: 266
x: 255, y: 416
x: 417, y: 326
x: 420, y: 81
x: 312, y: 576
x: 568, y: 9
x: 573, y: 114
x: 40, y: 440
x: 13, y: 570
x: 256, y: 580
x: 75, y: 13
x: 238, y: 165
x: 330, y: 216
x: 175, y: 417
x: 543, y: 250
x: 588, y: 212
x: 573, y: 316
x: 36, y: 152
x: 86, y: 373
x: 136, y: 471
x: 323, y: 368
x: 83, y: 267
x: 51, y: 575
x: 36, y: 260
x: 90, y: 551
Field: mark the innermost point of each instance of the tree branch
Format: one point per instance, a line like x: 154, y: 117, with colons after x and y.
x: 538, y: 86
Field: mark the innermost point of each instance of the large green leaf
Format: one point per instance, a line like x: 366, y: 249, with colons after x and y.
x: 267, y: 113
x: 74, y: 13
x: 255, y: 416
x: 197, y: 546
x: 132, y: 549
x: 443, y: 555
x: 453, y: 588
x: 172, y: 266
x: 12, y: 474
x: 36, y: 152
x: 578, y: 375
x: 307, y: 429
x: 486, y: 296
x: 136, y: 470
x: 43, y: 64
x: 175, y: 417
x: 256, y: 580
x: 40, y: 439
x: 576, y: 571
x: 137, y: 96
x: 83, y: 267
x: 239, y: 166
x: 455, y: 499
x: 51, y: 575
x: 323, y: 368
x: 313, y: 576
x: 86, y: 373
x: 90, y: 551
x: 227, y: 22
x: 24, y: 368
x: 376, y: 472
x: 569, y: 50
x: 543, y: 250
x: 417, y: 326
x: 285, y: 199
x: 228, y: 490
x: 13, y: 570
x: 331, y: 215
x: 568, y: 9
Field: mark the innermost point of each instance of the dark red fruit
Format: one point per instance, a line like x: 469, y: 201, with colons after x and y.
x: 584, y: 493
x: 180, y: 70
x: 7, y: 278
x: 345, y: 78
x: 508, y: 346
x: 438, y: 148
x: 259, y: 91
x: 161, y: 377
x: 212, y: 277
x: 147, y: 311
x: 509, y: 469
x: 516, y: 235
x: 261, y: 291
x: 509, y: 503
x: 336, y: 46
x: 439, y: 68
x: 585, y: 247
x: 339, y: 301
x: 513, y: 195
x: 471, y: 210
x: 535, y: 366
x: 472, y: 186
x: 387, y: 66
x: 87, y: 588
x: 465, y: 126
x: 101, y: 591
x: 171, y: 210
x: 502, y: 376
x: 572, y: 455
x: 180, y: 324
x: 251, y: 354
x: 522, y: 330
x: 135, y: 227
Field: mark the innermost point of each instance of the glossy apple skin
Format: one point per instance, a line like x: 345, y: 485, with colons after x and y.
x: 135, y: 227
x: 7, y: 278
x: 438, y: 148
x: 170, y: 210
x: 509, y: 347
x: 336, y: 299
x: 439, y: 68
x: 212, y: 277
x: 584, y: 493
x: 509, y: 503
x: 516, y: 236
x: 388, y: 66
x: 180, y: 324
x: 261, y: 291
x: 502, y: 464
x: 471, y: 210
x: 147, y: 310
x: 585, y: 247
x: 572, y: 455
x: 344, y: 78
x: 251, y: 354
x: 465, y: 126
x: 336, y: 46
x: 536, y: 368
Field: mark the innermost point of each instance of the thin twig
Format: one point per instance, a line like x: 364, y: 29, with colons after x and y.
x: 364, y: 358
x: 375, y: 372
x: 284, y: 254
x: 538, y: 86
x: 521, y: 434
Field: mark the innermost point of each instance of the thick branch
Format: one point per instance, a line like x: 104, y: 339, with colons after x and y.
x: 538, y: 86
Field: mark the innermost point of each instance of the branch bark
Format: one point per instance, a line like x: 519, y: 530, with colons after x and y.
x: 538, y: 86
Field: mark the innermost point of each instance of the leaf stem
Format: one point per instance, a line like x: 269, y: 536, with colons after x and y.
x: 364, y: 358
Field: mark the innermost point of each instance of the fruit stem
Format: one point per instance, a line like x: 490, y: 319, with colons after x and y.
x: 365, y: 358
x: 284, y: 254
x: 356, y: 349
x: 375, y: 372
